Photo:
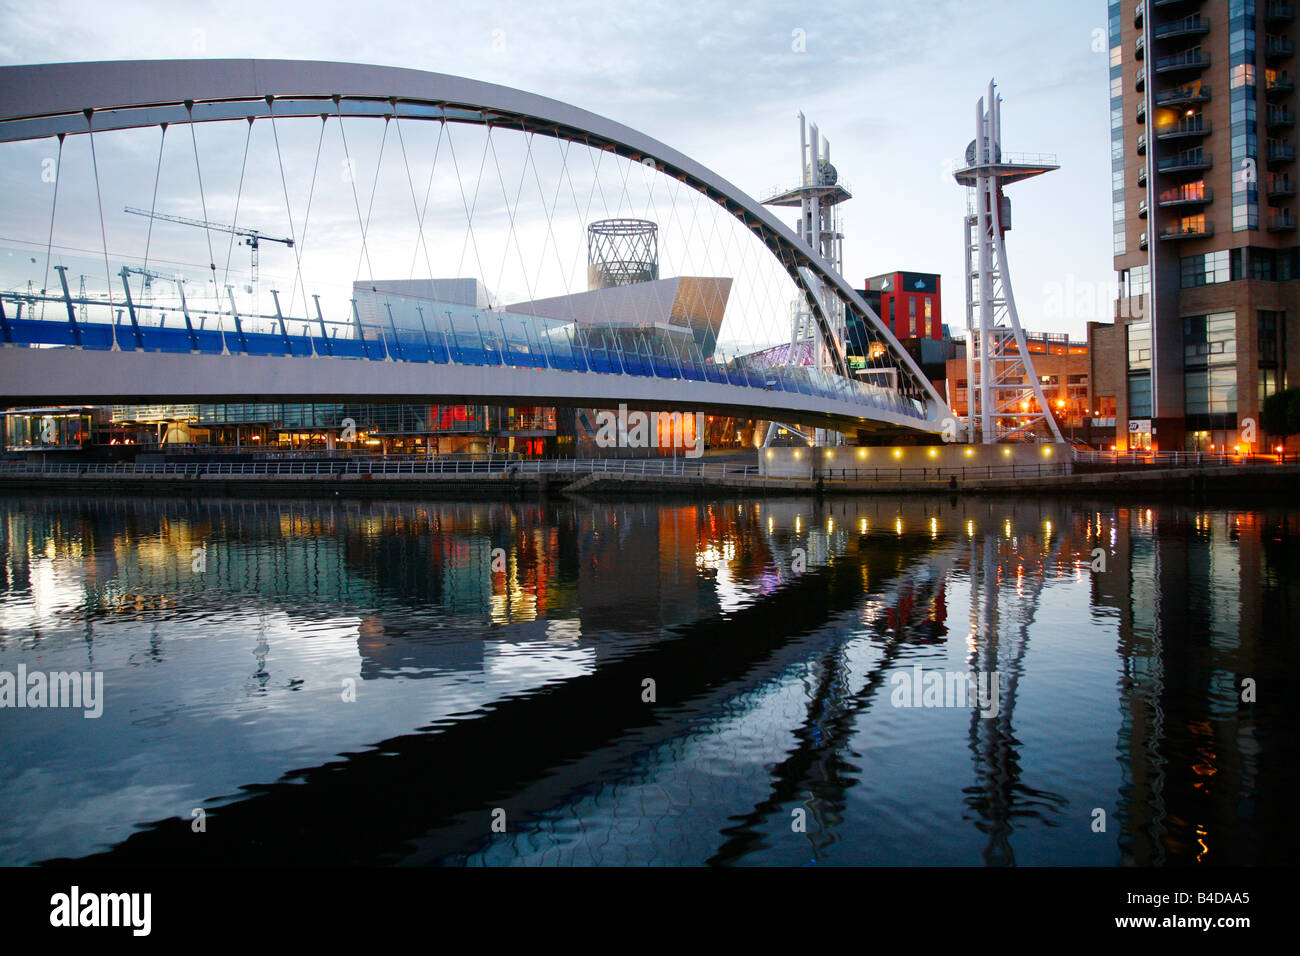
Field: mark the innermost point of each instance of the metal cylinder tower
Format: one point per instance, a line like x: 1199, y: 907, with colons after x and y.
x: 621, y: 252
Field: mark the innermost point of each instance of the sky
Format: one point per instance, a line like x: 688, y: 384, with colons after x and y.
x: 891, y: 83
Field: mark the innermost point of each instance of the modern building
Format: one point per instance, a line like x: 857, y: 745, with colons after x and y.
x: 1064, y: 373
x: 627, y: 305
x: 908, y: 303
x: 1204, y: 180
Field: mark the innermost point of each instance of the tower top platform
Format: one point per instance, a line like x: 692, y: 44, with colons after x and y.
x: 831, y: 195
x: 1011, y: 168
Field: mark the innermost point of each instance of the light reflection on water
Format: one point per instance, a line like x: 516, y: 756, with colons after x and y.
x: 368, y: 682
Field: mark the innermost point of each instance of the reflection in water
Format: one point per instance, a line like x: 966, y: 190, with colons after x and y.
x: 368, y: 682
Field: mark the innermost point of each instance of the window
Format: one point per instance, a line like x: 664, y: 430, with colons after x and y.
x: 1267, y: 330
x: 930, y: 330
x: 1139, y: 346
x: 1210, y: 391
x: 1268, y: 383
x: 911, y: 316
x: 1135, y: 282
x: 1210, y: 369
x: 1210, y: 268
x: 1139, y: 396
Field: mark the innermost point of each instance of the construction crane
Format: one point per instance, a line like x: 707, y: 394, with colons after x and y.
x: 148, y: 274
x: 251, y: 237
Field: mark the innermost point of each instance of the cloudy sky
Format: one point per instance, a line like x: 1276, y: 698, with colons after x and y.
x: 892, y: 83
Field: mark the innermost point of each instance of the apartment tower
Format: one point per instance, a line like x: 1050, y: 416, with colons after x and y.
x: 1203, y: 164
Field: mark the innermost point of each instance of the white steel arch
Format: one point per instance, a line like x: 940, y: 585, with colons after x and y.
x: 66, y: 99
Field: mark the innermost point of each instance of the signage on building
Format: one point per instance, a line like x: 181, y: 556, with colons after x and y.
x: 1140, y: 425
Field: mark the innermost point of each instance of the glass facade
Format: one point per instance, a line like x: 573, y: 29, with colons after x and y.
x: 1210, y: 370
x: 1271, y: 350
x: 46, y: 429
x: 1139, y: 396
x: 1139, y: 370
x: 1245, y: 138
x: 1119, y: 223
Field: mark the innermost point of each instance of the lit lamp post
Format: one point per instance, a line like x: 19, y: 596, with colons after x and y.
x: 1060, y: 410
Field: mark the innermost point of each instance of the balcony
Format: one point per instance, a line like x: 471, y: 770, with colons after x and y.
x: 1142, y: 208
x: 1280, y: 84
x: 1196, y: 228
x: 1142, y: 113
x: 1279, y: 116
x: 1142, y: 144
x: 1279, y: 184
x: 1188, y: 194
x: 1193, y: 59
x: 1183, y: 95
x: 1140, y: 48
x: 1278, y: 48
x: 1278, y: 12
x: 1138, y: 12
x: 1281, y: 220
x: 1141, y: 79
x: 1186, y: 161
x: 1192, y: 126
x: 1142, y: 175
x: 1280, y: 151
x: 1142, y: 241
x: 1188, y: 26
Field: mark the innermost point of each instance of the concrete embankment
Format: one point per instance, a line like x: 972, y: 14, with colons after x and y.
x: 1233, y: 479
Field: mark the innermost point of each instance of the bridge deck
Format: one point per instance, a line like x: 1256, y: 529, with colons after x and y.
x: 61, y: 361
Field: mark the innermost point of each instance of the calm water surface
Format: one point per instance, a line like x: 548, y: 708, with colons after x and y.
x: 382, y: 682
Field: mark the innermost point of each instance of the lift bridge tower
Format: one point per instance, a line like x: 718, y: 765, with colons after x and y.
x: 997, y: 361
x: 818, y: 197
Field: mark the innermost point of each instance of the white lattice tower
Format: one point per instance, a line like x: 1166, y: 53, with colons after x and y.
x: 997, y: 359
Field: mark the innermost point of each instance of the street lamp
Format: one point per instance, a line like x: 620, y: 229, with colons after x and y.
x: 1060, y: 407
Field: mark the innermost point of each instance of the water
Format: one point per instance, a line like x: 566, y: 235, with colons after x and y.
x: 470, y: 683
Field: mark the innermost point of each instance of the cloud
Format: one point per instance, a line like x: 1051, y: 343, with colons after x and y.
x: 892, y: 84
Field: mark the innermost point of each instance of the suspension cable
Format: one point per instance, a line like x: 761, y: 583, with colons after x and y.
x: 203, y: 200
x: 428, y: 191
x: 311, y: 192
x: 370, y: 208
x: 103, y: 231
x: 54, y: 205
x: 419, y: 217
x: 352, y: 180
x: 239, y: 193
x: 288, y: 207
x: 153, y: 206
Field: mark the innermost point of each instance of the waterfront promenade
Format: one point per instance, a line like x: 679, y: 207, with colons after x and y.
x: 505, y: 477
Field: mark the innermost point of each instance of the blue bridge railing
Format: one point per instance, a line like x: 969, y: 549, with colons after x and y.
x: 404, y: 333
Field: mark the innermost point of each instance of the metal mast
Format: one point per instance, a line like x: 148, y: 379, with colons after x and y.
x: 818, y: 197
x: 997, y: 360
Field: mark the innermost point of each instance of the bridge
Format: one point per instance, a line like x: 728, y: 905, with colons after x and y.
x: 156, y: 316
